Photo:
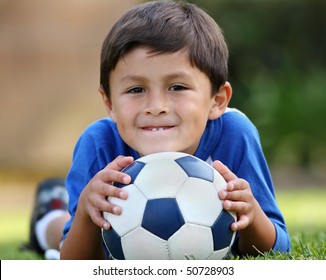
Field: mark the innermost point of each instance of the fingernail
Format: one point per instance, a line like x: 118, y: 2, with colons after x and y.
x: 125, y: 180
x: 226, y: 205
x: 230, y: 186
x: 123, y: 195
x: 116, y: 210
x: 223, y: 194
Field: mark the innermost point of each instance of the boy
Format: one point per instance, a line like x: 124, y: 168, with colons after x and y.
x: 164, y: 85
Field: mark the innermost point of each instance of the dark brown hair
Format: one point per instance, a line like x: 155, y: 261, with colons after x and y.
x: 168, y: 26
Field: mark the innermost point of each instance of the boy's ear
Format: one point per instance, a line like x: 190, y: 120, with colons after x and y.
x: 220, y: 101
x: 107, y: 103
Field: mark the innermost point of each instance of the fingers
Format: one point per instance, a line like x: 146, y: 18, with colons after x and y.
x: 97, y: 203
x: 243, y: 207
x: 94, y: 199
x: 237, y: 190
x: 237, y: 197
x: 101, y: 203
x: 224, y: 171
x: 97, y: 219
x: 112, y: 172
x: 237, y: 206
x: 119, y: 163
x: 241, y: 224
x: 101, y: 185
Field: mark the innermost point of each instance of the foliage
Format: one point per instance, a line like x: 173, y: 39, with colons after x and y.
x: 277, y: 70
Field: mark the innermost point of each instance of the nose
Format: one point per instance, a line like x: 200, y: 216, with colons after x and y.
x: 156, y: 104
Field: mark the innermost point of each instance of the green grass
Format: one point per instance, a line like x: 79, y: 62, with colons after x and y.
x: 304, y: 211
x: 304, y: 246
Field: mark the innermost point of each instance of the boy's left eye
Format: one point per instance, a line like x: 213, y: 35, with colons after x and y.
x: 136, y: 90
x: 177, y: 88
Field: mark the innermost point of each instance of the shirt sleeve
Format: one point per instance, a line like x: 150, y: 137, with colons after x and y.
x: 84, y: 166
x: 247, y: 161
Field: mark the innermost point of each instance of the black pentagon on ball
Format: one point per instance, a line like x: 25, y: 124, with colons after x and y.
x: 132, y: 170
x: 112, y: 241
x: 162, y: 217
x: 221, y: 230
x: 196, y: 168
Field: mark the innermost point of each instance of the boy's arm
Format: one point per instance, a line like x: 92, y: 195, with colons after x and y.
x: 84, y: 240
x: 259, y: 236
x: 256, y: 231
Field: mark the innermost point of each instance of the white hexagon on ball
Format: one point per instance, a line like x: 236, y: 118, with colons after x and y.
x: 142, y: 245
x: 165, y: 186
x: 180, y: 244
x: 195, y: 203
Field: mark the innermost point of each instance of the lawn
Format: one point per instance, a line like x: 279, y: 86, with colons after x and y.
x: 304, y: 211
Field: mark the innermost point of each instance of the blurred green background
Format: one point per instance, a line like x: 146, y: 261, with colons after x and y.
x: 278, y: 72
x: 49, y: 74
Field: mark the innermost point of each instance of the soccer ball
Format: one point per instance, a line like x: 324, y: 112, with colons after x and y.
x: 172, y: 211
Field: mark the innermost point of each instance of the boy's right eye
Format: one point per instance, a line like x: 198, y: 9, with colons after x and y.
x: 136, y: 90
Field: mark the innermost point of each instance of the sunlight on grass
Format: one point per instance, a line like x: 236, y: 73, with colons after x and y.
x: 15, y: 225
x: 303, y: 209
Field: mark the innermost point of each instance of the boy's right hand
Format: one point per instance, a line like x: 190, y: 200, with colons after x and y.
x: 93, y: 199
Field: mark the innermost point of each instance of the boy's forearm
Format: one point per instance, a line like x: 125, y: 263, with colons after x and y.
x: 83, y: 241
x: 259, y: 236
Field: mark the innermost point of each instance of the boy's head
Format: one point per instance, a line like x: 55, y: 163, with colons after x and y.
x: 167, y: 27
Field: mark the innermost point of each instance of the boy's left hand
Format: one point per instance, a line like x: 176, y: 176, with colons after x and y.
x: 237, y: 197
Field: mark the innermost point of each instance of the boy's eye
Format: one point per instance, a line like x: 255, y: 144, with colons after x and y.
x: 136, y: 90
x: 177, y: 88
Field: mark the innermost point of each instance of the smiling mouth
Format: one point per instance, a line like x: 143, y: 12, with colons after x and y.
x: 156, y: 128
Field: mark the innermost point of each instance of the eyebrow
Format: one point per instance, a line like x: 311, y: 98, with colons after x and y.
x: 131, y: 78
x: 175, y: 75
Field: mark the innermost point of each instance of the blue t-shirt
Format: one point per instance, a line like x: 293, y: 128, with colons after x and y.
x: 232, y: 139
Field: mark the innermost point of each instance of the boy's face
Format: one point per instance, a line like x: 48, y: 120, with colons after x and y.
x: 160, y: 102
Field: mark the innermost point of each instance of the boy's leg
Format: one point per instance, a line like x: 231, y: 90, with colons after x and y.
x: 49, y: 215
x: 48, y: 230
x: 54, y: 231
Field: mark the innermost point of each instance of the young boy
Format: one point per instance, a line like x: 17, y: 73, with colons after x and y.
x: 164, y: 84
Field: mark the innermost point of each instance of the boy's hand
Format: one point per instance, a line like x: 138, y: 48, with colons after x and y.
x: 93, y: 199
x: 237, y: 197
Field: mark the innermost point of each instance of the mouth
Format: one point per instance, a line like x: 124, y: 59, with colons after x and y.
x: 156, y: 128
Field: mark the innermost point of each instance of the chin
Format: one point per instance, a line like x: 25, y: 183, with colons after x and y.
x: 153, y: 150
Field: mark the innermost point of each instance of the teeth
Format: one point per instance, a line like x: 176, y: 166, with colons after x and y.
x: 158, y: 129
